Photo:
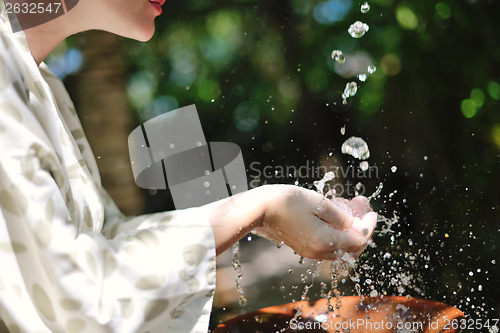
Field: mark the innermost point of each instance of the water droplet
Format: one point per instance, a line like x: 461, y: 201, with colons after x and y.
x: 362, y: 77
x: 320, y: 184
x: 290, y: 271
x: 280, y: 244
x: 351, y: 88
x: 364, y: 165
x: 394, y: 168
x: 342, y: 130
x: 329, y: 176
x: 338, y: 56
x: 212, y: 100
x: 471, y: 273
x: 480, y: 288
x: 243, y: 301
x: 365, y: 7
x: 258, y: 319
x: 356, y: 147
x: 371, y: 69
x: 358, y: 29
x: 321, y: 318
x: 493, y: 261
x: 446, y: 235
x: 426, y: 158
x: 373, y: 293
x: 206, y: 184
x: 249, y: 238
x: 171, y: 145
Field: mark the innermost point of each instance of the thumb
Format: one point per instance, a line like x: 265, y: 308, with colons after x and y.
x: 366, y: 225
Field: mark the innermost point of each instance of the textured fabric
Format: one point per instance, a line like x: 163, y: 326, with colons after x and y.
x: 62, y: 268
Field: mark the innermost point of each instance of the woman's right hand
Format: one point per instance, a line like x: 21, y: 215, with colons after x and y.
x: 312, y: 225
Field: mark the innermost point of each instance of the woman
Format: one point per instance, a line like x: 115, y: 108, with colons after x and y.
x: 61, y: 270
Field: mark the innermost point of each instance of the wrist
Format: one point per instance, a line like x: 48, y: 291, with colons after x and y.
x: 261, y: 198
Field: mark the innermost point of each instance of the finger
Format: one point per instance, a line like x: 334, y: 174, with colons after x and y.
x: 365, y: 225
x: 360, y: 206
x: 332, y: 215
x: 360, y: 234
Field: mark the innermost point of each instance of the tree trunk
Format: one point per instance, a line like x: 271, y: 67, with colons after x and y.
x: 106, y: 115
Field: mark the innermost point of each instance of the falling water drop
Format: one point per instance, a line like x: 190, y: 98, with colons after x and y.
x: 351, y: 88
x: 364, y: 165
x: 371, y: 69
x: 365, y: 7
x: 358, y: 29
x: 362, y: 77
x: 338, y: 56
x: 356, y: 147
x: 394, y: 168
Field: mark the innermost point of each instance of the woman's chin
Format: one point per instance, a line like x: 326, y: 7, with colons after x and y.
x: 143, y: 35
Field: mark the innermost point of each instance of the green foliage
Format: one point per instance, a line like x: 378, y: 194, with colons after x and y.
x: 261, y: 75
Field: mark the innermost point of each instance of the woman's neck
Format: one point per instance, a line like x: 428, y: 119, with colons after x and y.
x: 44, y: 38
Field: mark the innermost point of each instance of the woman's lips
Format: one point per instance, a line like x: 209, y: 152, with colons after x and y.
x: 157, y: 4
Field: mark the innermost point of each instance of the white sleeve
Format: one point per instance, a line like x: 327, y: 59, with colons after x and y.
x: 152, y: 273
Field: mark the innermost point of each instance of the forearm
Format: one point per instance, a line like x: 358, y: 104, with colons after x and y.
x: 234, y: 217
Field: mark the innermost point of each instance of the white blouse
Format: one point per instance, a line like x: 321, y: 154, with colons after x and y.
x: 69, y: 260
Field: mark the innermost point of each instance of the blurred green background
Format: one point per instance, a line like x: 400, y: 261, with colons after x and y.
x: 261, y: 76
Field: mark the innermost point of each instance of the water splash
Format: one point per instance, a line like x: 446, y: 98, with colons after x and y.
x: 338, y: 56
x: 358, y: 29
x: 320, y: 184
x: 365, y: 7
x: 356, y: 147
x: 239, y: 273
x: 377, y: 191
